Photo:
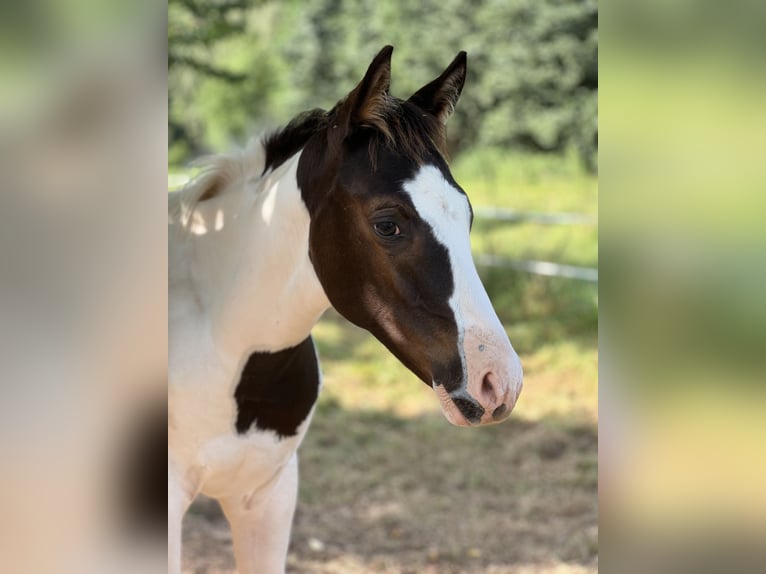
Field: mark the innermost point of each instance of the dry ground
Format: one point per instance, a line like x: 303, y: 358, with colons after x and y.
x: 388, y: 486
x: 414, y: 495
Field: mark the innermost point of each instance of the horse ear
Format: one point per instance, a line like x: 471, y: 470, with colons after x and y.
x: 440, y: 96
x: 367, y: 103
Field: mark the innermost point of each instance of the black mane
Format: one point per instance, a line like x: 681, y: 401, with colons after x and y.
x: 283, y: 143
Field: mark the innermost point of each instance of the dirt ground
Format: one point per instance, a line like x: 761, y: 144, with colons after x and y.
x: 386, y: 494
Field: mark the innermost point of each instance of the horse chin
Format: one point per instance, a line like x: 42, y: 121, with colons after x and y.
x: 454, y: 417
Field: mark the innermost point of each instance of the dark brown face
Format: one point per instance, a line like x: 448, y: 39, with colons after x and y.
x: 381, y: 265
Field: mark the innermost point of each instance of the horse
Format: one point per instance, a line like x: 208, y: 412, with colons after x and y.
x: 353, y: 208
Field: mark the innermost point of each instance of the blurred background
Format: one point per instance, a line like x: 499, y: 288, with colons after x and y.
x: 683, y: 318
x: 83, y: 286
x: 387, y: 484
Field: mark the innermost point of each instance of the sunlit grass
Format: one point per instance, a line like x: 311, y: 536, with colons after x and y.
x: 360, y: 374
x: 526, y: 182
x: 531, y: 182
x: 570, y: 244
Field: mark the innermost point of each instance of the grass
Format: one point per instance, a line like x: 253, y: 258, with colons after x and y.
x: 497, y: 178
x: 389, y: 486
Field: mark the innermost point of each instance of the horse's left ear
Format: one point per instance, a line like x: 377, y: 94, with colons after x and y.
x: 440, y: 96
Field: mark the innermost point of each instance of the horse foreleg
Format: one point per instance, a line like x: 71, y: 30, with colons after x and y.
x: 180, y: 496
x: 175, y: 518
x: 260, y: 525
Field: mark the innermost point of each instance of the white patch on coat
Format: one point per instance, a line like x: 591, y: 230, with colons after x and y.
x: 239, y: 280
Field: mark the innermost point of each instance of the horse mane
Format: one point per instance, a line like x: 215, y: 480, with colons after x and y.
x: 282, y: 144
x: 401, y: 126
x: 217, y: 174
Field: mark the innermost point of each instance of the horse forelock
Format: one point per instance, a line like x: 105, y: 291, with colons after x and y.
x: 398, y: 125
x: 406, y: 130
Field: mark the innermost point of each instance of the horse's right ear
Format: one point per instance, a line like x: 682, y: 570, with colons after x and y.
x: 367, y: 103
x: 440, y: 96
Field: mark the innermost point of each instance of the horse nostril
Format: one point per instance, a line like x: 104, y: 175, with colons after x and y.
x: 499, y: 412
x: 489, y: 393
x: 486, y: 385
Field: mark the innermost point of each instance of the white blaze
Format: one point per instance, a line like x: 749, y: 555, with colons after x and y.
x: 446, y: 210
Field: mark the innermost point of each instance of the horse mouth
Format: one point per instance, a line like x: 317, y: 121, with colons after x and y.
x: 450, y: 410
x: 461, y: 409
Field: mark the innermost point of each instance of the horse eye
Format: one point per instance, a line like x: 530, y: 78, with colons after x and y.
x: 386, y: 229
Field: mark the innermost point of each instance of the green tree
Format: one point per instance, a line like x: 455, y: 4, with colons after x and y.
x: 194, y: 28
x: 532, y: 83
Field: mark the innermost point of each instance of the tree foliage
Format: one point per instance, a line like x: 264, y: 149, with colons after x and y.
x: 238, y: 67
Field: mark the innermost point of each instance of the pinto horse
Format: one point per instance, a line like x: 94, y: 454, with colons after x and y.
x: 353, y: 208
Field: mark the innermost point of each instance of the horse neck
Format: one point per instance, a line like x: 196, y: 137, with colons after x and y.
x: 270, y: 296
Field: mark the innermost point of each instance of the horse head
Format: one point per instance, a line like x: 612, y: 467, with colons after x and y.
x: 389, y: 241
